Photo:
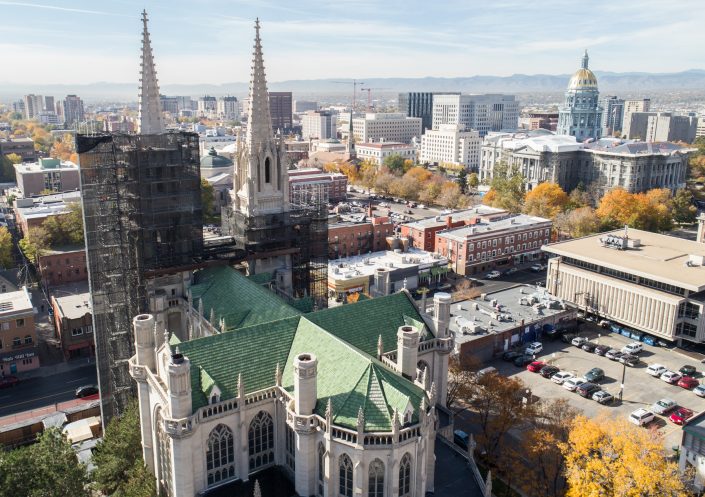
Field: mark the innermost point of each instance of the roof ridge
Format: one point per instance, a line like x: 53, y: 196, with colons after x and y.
x: 337, y: 410
x: 381, y: 389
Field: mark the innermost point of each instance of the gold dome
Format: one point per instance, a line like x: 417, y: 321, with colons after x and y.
x: 583, y: 78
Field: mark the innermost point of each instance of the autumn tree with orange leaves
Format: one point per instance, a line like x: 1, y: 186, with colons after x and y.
x: 545, y: 200
x: 651, y: 211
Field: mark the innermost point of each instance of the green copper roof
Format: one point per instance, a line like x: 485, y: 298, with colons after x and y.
x: 235, y: 298
x: 361, y: 324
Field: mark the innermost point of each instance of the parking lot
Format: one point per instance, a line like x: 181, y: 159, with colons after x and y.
x: 640, y: 389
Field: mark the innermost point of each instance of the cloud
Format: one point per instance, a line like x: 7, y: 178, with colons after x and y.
x: 54, y: 7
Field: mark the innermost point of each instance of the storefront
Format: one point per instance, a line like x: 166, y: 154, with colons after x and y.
x: 18, y: 362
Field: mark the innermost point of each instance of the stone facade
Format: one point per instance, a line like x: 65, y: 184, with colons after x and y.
x: 581, y: 113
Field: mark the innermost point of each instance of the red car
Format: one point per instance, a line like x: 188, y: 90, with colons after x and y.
x: 681, y: 415
x: 535, y: 366
x: 9, y: 381
x: 688, y: 382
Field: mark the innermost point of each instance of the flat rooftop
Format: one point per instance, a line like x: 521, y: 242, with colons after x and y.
x: 515, y: 222
x: 658, y: 257
x: 74, y: 306
x: 465, y: 215
x: 365, y: 265
x: 12, y: 303
x: 475, y: 318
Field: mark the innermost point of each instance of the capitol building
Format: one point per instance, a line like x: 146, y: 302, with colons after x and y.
x: 581, y: 115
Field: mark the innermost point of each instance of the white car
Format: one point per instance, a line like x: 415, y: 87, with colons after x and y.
x: 632, y: 348
x: 663, y: 406
x: 699, y: 390
x: 671, y: 377
x: 579, y: 341
x: 656, y: 370
x: 641, y: 417
x: 573, y: 383
x: 533, y: 348
x: 536, y: 268
x: 492, y: 275
x: 561, y: 377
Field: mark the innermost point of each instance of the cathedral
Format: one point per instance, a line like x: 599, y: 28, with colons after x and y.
x: 581, y: 115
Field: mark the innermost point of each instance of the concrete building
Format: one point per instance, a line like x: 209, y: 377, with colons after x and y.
x: 228, y: 108
x: 305, y: 182
x: 612, y: 114
x: 483, y: 113
x: 422, y: 234
x: 280, y: 109
x: 488, y: 325
x: 33, y: 105
x: 346, y: 239
x: 207, y: 106
x: 301, y: 106
x: 533, y: 120
x: 419, y: 104
x: 645, y: 281
x: 73, y: 323
x: 383, y: 273
x: 666, y: 127
x: 377, y: 152
x: 631, y: 106
x: 19, y: 350
x: 450, y: 144
x: 483, y: 246
x: 72, y: 111
x: 32, y: 212
x: 581, y: 113
x: 388, y: 126
x: 321, y: 124
x: 24, y: 147
x: 46, y: 174
x: 60, y: 265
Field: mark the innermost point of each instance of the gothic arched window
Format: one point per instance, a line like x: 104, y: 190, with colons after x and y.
x: 261, y: 440
x: 267, y: 170
x: 163, y: 456
x: 220, y: 455
x: 375, y: 486
x: 321, y: 469
x: 345, y: 468
x: 405, y: 476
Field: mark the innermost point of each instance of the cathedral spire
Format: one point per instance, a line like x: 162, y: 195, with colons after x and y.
x: 259, y: 126
x: 350, y: 145
x: 585, y: 59
x: 150, y: 116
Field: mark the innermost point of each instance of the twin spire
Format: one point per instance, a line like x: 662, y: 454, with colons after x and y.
x: 149, y: 120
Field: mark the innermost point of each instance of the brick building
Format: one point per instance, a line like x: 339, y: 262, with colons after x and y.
x: 422, y: 234
x: 487, y: 245
x: 32, y: 212
x: 348, y: 239
x: 18, y: 337
x: 334, y: 184
x: 63, y: 265
x: 24, y: 147
x: 73, y: 322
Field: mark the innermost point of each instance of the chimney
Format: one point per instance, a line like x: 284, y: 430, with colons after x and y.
x: 179, y: 385
x: 305, y: 395
x: 407, y: 351
x: 441, y: 313
x: 143, y: 325
x: 369, y: 210
x: 449, y: 222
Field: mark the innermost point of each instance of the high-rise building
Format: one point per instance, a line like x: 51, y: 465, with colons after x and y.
x: 581, y: 114
x: 483, y: 113
x: 665, y: 127
x: 387, y: 126
x: 49, y: 104
x: 228, y: 108
x: 631, y: 106
x: 320, y: 124
x: 700, y: 130
x: 33, y: 105
x: 419, y: 104
x: 18, y: 107
x: 612, y: 114
x: 73, y: 111
x: 280, y: 106
x: 451, y: 145
x: 304, y: 106
x: 207, y: 106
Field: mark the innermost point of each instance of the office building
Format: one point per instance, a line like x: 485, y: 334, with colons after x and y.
x: 24, y: 147
x: 350, y: 238
x: 612, y: 115
x: 18, y: 107
x: 388, y: 126
x: 581, y: 113
x: 19, y: 349
x: 482, y: 113
x: 451, y: 145
x: 32, y: 212
x: 301, y: 106
x: 666, y: 127
x: 72, y: 111
x: 207, y: 106
x: 640, y: 280
x: 321, y: 124
x: 533, y: 120
x: 46, y: 175
x: 280, y: 107
x: 631, y: 106
x: 308, y: 182
x: 49, y: 105
x: 419, y: 104
x: 700, y: 130
x: 33, y: 105
x: 228, y: 108
x: 378, y: 152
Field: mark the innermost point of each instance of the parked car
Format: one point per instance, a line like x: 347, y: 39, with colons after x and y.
x: 523, y: 360
x: 681, y: 415
x: 601, y: 349
x: 510, y: 355
x: 86, y: 390
x: 9, y: 381
x: 573, y: 383
x: 549, y: 371
x: 595, y: 374
x: 688, y: 382
x: 589, y: 347
x: 568, y: 337
x: 632, y: 348
x: 641, y: 417
x: 561, y: 377
x: 493, y: 275
x: 663, y: 406
x: 604, y: 323
x: 629, y: 360
x: 699, y: 390
x: 688, y: 370
x: 533, y: 348
x: 511, y: 270
x: 535, y: 366
x: 613, y: 354
x: 536, y: 268
x: 656, y: 370
x: 579, y: 341
x: 671, y: 377
x: 461, y: 439
x: 602, y: 397
x: 587, y: 389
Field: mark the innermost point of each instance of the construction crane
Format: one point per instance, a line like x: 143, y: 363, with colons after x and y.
x: 355, y: 84
x: 369, y: 97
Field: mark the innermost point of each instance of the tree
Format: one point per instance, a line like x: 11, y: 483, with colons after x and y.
x: 546, y: 200
x: 207, y: 199
x: 579, y: 197
x: 508, y: 188
x: 684, y: 211
x: 65, y: 229
x: 473, y: 180
x: 64, y: 148
x: 395, y: 164
x: 6, y: 259
x: 367, y: 174
x: 450, y: 195
x: 34, y: 243
x: 463, y: 180
x: 14, y: 158
x: 383, y: 182
x: 461, y: 377
x: 610, y: 457
x: 47, y: 468
x: 578, y: 222
x: 119, y: 467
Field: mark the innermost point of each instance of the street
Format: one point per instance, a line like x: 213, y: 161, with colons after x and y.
x: 40, y: 391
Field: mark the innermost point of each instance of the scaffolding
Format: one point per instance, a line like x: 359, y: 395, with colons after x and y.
x: 141, y: 212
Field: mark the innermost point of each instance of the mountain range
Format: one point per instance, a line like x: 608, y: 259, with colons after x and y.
x: 609, y: 82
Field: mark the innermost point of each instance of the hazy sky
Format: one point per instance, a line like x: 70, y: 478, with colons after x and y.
x: 210, y: 41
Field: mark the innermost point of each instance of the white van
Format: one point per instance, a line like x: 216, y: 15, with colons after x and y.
x: 632, y: 348
x: 488, y: 370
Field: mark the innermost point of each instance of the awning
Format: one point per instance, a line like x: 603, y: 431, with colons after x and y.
x: 80, y: 430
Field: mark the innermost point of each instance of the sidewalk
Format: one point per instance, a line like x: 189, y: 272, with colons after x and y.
x: 63, y: 367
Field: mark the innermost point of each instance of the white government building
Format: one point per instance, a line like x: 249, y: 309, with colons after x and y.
x: 387, y: 126
x: 451, y: 144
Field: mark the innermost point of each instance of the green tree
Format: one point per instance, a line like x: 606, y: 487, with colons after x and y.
x: 684, y: 211
x: 47, y: 468
x: 15, y: 158
x: 395, y: 163
x: 65, y: 229
x: 7, y: 171
x: 6, y: 260
x: 34, y: 243
x: 463, y: 180
x: 473, y: 180
x: 207, y: 199
x: 119, y: 467
x: 506, y: 189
